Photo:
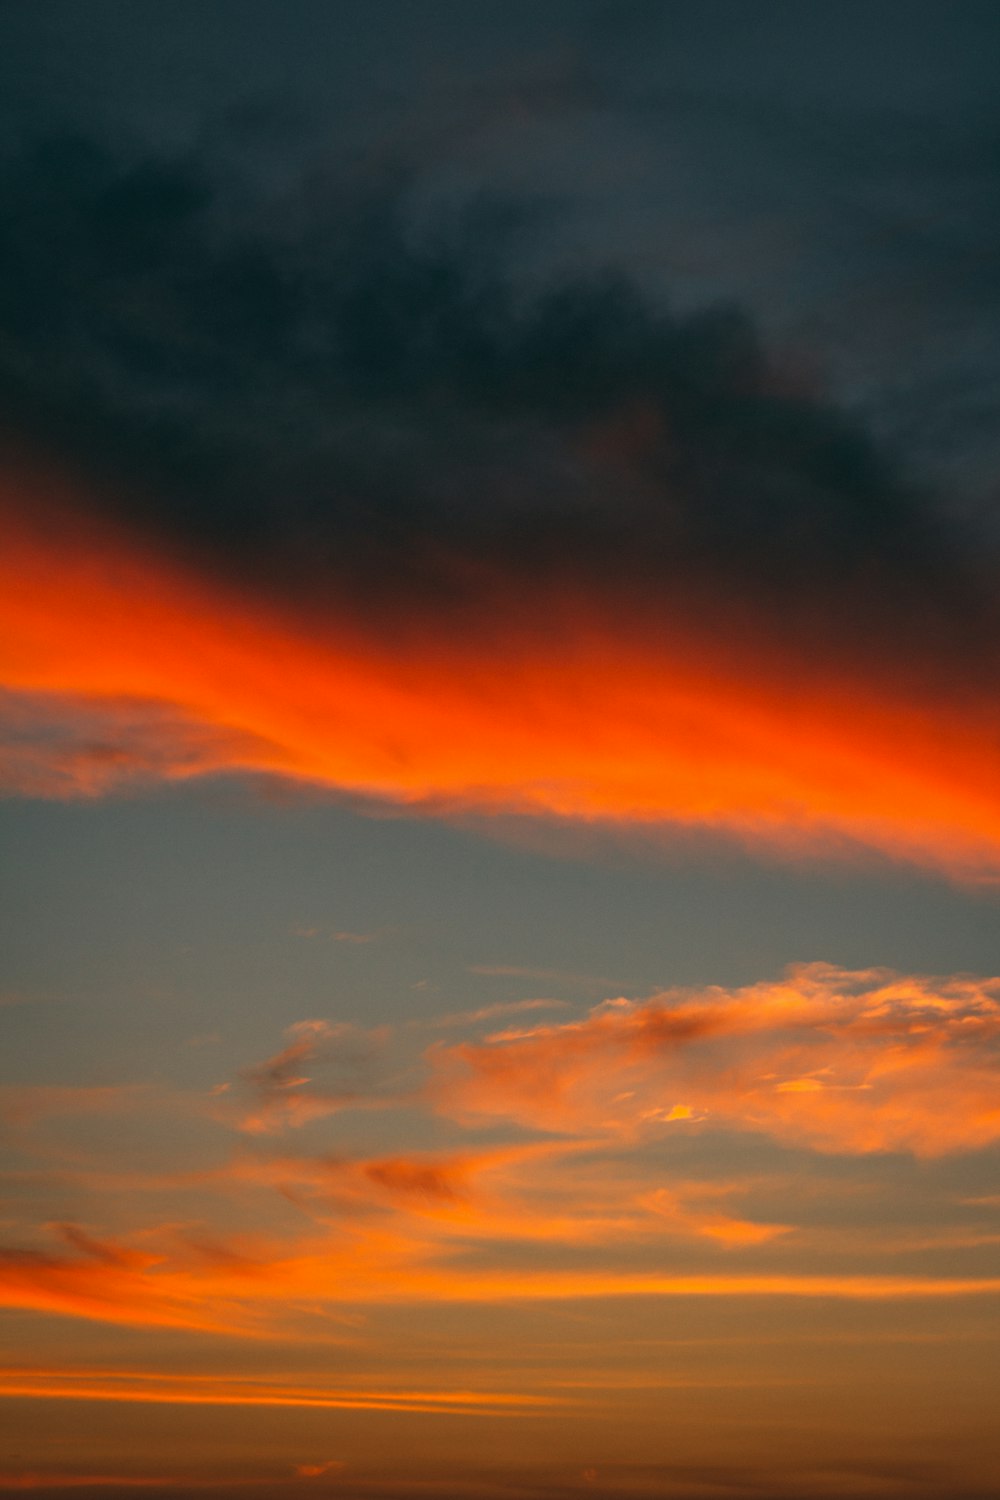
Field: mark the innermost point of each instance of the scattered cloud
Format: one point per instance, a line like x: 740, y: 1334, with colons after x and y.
x: 576, y: 1136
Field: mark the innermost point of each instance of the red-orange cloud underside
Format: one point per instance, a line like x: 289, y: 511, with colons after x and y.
x: 557, y: 705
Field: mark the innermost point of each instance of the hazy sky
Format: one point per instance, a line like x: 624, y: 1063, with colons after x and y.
x: 500, y: 748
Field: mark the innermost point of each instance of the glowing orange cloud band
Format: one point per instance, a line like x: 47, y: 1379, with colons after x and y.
x: 553, y: 706
x: 330, y: 1280
x: 244, y: 1301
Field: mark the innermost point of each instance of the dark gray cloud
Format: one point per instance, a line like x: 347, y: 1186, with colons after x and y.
x: 834, y: 169
x: 318, y: 383
x: 321, y: 294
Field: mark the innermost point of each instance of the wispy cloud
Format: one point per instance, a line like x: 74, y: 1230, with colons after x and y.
x: 459, y: 1018
x: 156, y: 1388
x: 282, y: 1097
x: 223, y: 1290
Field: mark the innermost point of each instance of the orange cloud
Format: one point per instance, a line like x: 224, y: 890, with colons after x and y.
x: 572, y: 1192
x: 839, y: 1061
x: 559, y: 706
x: 228, y: 1292
x: 156, y: 1388
x: 111, y: 1284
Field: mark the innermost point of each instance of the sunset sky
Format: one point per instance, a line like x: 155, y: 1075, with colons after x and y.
x: 500, y: 749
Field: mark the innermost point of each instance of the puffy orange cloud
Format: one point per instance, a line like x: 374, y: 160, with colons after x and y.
x: 563, y: 705
x: 839, y: 1061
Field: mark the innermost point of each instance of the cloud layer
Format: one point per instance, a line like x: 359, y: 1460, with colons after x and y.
x: 593, y: 1141
x: 306, y: 485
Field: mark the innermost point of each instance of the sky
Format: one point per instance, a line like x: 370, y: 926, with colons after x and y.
x: 499, y: 749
